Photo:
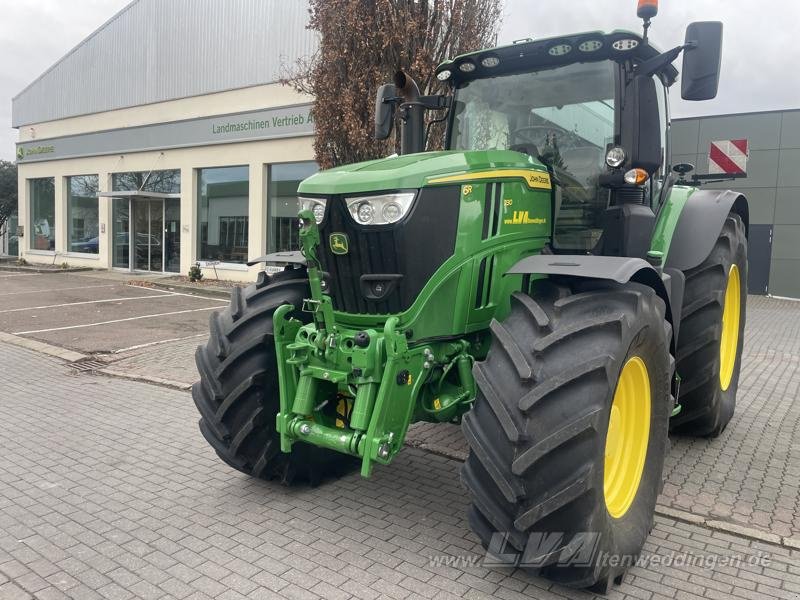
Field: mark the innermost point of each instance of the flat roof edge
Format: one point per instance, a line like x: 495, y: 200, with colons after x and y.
x: 738, y: 114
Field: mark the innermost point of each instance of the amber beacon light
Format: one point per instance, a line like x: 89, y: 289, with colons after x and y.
x: 647, y: 9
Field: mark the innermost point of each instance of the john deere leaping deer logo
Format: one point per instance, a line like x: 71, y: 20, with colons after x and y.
x: 339, y: 243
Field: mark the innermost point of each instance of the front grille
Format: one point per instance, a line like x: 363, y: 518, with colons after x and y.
x: 413, y: 248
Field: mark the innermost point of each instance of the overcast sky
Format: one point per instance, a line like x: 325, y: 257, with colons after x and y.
x: 760, y: 58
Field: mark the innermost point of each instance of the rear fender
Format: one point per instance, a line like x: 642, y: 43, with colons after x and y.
x: 699, y: 225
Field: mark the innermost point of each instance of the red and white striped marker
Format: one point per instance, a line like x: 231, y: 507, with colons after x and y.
x: 728, y: 157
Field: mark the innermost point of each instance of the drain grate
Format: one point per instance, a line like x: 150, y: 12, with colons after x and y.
x: 87, y: 365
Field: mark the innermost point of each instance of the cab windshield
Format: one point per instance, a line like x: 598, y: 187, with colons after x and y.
x: 564, y: 117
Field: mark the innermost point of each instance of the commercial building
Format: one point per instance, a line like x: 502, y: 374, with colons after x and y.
x: 164, y: 139
x: 772, y: 187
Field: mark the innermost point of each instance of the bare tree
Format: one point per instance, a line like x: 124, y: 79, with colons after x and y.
x: 362, y: 44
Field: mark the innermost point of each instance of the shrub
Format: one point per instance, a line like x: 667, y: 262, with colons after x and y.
x: 195, y: 274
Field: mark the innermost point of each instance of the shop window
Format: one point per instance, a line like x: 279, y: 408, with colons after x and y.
x: 43, y: 213
x: 165, y: 182
x: 12, y: 248
x: 83, y: 214
x: 233, y: 231
x: 282, y: 205
x: 223, y: 213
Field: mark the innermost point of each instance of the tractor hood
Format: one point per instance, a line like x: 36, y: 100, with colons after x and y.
x: 411, y: 171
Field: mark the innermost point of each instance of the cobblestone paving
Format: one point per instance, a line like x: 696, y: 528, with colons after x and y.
x: 749, y: 475
x: 107, y: 490
x: 173, y: 361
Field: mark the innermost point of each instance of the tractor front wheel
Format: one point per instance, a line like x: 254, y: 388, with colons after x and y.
x: 237, y: 394
x: 569, y: 430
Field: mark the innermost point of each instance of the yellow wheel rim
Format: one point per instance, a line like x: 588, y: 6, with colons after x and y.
x: 627, y: 437
x: 730, y: 328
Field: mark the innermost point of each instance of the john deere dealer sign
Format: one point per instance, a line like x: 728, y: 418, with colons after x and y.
x: 273, y: 123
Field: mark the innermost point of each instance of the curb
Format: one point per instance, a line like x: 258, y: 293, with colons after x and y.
x: 70, y: 356
x: 169, y: 383
x: 13, y: 268
x: 737, y: 529
x: 187, y: 289
x: 728, y: 527
x: 43, y: 348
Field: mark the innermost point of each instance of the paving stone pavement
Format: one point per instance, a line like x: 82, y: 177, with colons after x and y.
x: 750, y: 475
x: 107, y: 490
x: 170, y: 361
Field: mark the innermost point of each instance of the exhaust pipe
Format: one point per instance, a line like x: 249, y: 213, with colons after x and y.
x: 412, y: 114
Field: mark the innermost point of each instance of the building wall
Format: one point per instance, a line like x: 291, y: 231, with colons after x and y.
x: 772, y: 186
x: 257, y: 155
x: 157, y: 50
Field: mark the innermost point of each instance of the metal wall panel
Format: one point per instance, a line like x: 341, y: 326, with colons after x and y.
x: 156, y: 50
x: 772, y: 186
x: 762, y: 130
x: 787, y: 206
x: 684, y: 137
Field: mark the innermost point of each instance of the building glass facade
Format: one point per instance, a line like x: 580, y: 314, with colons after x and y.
x: 83, y: 214
x: 284, y: 179
x: 223, y: 222
x: 147, y: 217
x: 43, y: 213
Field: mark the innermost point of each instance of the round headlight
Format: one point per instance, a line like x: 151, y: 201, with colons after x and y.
x: 392, y: 212
x: 490, y: 61
x: 319, y: 213
x: 365, y: 212
x: 443, y: 75
x: 467, y: 66
x: 615, y: 157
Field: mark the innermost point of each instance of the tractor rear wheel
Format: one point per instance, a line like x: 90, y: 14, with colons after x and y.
x: 237, y: 394
x: 711, y: 335
x: 569, y: 429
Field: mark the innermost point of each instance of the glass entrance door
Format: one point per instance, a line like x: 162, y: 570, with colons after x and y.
x: 172, y: 235
x: 148, y: 235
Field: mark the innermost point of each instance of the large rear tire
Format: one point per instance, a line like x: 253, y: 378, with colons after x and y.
x: 237, y: 394
x: 711, y: 335
x: 565, y: 462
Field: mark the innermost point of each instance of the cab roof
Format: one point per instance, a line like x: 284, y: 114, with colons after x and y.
x: 527, y: 55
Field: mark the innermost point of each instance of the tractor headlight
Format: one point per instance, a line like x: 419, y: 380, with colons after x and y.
x: 615, y: 157
x: 315, y: 205
x: 380, y: 210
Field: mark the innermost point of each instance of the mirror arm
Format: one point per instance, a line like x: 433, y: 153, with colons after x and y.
x: 655, y: 64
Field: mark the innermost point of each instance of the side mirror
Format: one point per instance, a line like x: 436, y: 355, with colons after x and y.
x: 702, y: 61
x: 641, y: 126
x: 384, y: 110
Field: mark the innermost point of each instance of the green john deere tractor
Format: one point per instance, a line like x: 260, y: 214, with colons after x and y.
x: 548, y: 281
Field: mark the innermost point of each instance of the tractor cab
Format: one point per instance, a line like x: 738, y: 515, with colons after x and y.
x: 591, y: 107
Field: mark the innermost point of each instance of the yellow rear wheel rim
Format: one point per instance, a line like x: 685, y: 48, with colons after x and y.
x: 627, y: 437
x: 729, y: 341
